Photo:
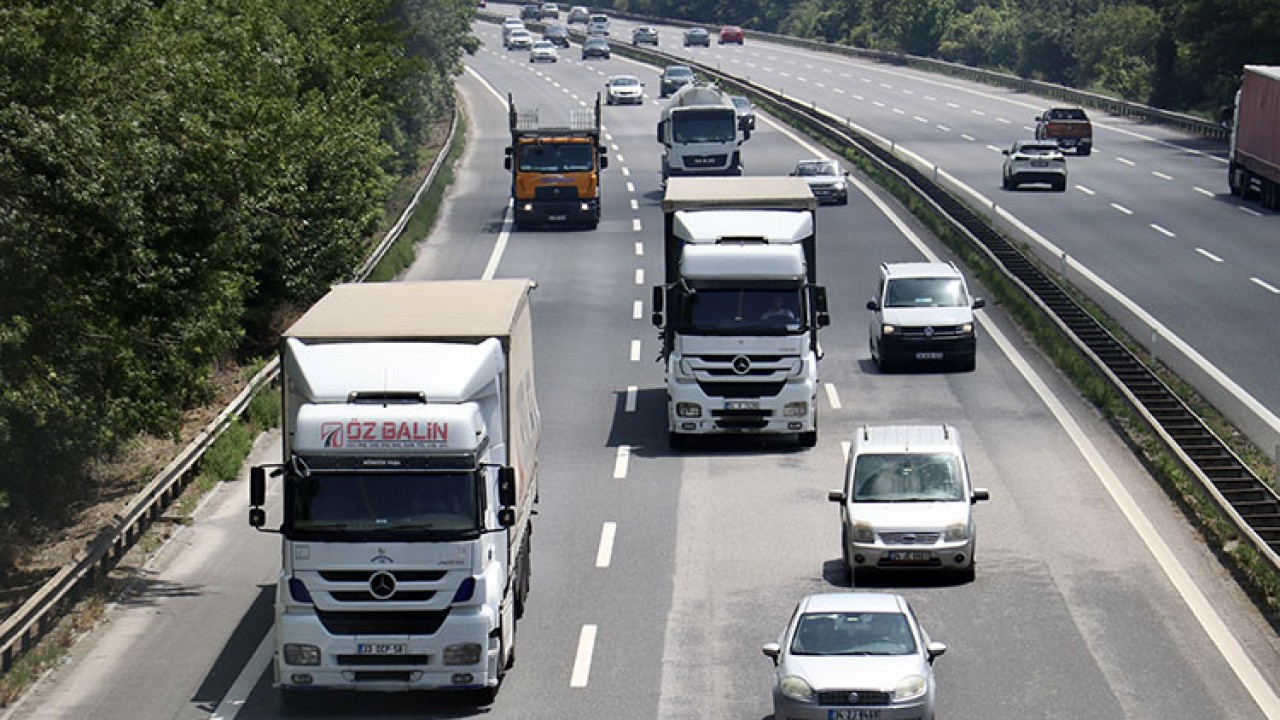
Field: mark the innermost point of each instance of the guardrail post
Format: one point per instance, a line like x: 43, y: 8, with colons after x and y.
x: 1154, y: 337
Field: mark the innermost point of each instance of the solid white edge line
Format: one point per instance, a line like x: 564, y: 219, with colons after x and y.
x: 833, y: 396
x: 238, y: 694
x: 621, y: 461
x: 582, y: 659
x: 633, y: 392
x: 845, y: 447
x: 500, y: 247
x: 604, y: 554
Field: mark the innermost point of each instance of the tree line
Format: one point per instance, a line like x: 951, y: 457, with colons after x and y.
x: 1176, y: 54
x: 175, y: 176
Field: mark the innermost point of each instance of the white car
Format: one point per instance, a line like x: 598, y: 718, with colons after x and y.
x: 922, y: 312
x: 624, y: 90
x: 579, y: 14
x: 510, y: 24
x: 1035, y: 161
x: 543, y: 51
x: 826, y: 179
x: 519, y: 40
x: 907, y: 501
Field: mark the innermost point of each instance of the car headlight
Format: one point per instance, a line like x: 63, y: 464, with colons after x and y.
x: 888, y: 329
x: 911, y: 687
x: 862, y: 532
x: 957, y: 531
x: 795, y: 688
x: 966, y: 328
x: 840, y: 185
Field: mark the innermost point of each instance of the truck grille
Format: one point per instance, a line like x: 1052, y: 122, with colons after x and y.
x: 702, y: 161
x: 747, y: 389
x: 364, y: 596
x: 909, y: 538
x: 362, y: 576
x: 417, y: 622
x: 555, y: 192
x: 741, y: 419
x: 847, y: 697
x: 932, y: 332
x: 361, y: 660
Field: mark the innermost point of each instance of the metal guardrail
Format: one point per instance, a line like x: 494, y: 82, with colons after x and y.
x: 21, y: 630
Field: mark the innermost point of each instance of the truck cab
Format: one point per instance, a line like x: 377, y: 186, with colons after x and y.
x: 555, y: 169
x: 700, y: 132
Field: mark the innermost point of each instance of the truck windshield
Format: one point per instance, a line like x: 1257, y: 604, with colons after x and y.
x: 737, y: 311
x: 556, y: 157
x: 399, y: 505
x: 704, y: 126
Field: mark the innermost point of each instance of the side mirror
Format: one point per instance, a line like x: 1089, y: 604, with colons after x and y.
x: 979, y: 494
x: 506, y: 163
x: 836, y: 496
x: 772, y: 651
x: 823, y: 319
x: 257, y: 486
x: 746, y: 134
x: 507, y: 517
x: 507, y: 486
x: 659, y: 303
x: 979, y: 303
x: 604, y: 160
x: 935, y: 649
x: 873, y: 305
x: 1004, y: 152
x: 660, y: 131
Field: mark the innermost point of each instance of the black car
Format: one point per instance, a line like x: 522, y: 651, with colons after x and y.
x: 644, y: 35
x: 697, y: 36
x: 557, y: 35
x: 596, y: 47
x: 531, y: 11
x: 674, y: 77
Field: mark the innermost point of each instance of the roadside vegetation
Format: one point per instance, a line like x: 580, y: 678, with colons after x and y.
x: 1182, y: 55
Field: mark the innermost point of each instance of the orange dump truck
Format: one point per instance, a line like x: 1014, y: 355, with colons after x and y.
x: 555, y: 169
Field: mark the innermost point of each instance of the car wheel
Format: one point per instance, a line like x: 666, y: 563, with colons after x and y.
x: 968, y: 363
x: 1085, y: 150
x: 844, y: 200
x: 844, y: 554
x: 1060, y: 186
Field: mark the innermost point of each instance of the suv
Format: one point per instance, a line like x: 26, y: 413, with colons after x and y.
x: 826, y: 179
x: 531, y: 11
x: 907, y: 501
x: 557, y: 35
x: 1034, y: 161
x: 550, y: 10
x: 697, y: 36
x: 1068, y: 126
x: 674, y: 77
x: 922, y: 311
x: 579, y: 14
x: 598, y: 24
x: 644, y: 35
x: 518, y: 40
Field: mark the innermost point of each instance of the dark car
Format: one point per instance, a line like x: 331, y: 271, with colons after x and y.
x: 531, y: 11
x: 557, y: 35
x: 674, y: 77
x: 697, y: 36
x: 732, y: 34
x: 644, y: 35
x: 745, y: 111
x: 595, y: 47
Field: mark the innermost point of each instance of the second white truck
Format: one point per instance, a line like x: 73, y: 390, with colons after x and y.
x: 740, y: 308
x: 700, y: 133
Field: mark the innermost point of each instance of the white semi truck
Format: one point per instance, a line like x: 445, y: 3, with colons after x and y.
x: 700, y: 133
x: 409, y: 480
x: 740, y: 308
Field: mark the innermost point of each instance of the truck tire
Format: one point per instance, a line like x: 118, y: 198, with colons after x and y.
x: 678, y: 441
x: 807, y: 439
x: 1084, y: 150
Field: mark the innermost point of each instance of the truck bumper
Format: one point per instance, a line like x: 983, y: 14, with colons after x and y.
x: 790, y: 411
x: 567, y: 213
x: 416, y: 663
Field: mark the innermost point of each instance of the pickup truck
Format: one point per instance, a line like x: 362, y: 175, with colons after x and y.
x: 1069, y: 127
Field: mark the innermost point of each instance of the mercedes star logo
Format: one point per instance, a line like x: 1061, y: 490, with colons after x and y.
x: 928, y: 332
x: 382, y: 585
x: 742, y: 364
x: 853, y: 698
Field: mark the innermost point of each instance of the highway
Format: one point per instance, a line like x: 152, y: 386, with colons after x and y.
x: 657, y: 575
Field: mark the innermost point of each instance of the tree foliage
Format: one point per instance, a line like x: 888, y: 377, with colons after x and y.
x: 172, y: 174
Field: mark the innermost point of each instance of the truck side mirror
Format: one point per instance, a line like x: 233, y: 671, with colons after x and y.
x: 257, y: 486
x: 506, y: 163
x: 507, y: 517
x: 661, y: 123
x: 979, y: 303
x: 604, y: 161
x: 873, y: 305
x: 659, y: 302
x: 746, y: 134
x: 507, y: 486
x: 821, y: 316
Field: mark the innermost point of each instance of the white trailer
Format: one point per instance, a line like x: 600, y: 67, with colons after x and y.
x: 409, y: 480
x: 740, y: 308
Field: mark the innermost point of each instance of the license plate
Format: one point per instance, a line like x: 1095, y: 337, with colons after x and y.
x: 742, y: 405
x: 557, y: 218
x: 928, y: 356
x: 909, y: 556
x: 381, y: 648
x: 1039, y: 163
x: 853, y: 714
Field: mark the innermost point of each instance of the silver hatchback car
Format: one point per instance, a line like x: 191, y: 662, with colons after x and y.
x: 853, y: 656
x: 906, y: 501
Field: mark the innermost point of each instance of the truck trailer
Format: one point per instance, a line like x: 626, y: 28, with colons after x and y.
x: 740, y: 308
x: 700, y: 133
x: 1254, y: 160
x: 408, y: 480
x: 555, y: 169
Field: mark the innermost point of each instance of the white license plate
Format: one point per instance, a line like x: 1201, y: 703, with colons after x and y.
x: 909, y: 556
x: 557, y: 218
x: 742, y: 405
x: 1039, y: 163
x: 381, y: 648
x: 853, y: 714
x: 928, y: 356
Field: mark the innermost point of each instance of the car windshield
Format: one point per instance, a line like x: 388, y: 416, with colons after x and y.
x: 733, y: 311
x: 624, y: 82
x: 596, y: 43
x: 544, y: 45
x: 850, y: 633
x: 907, y: 477
x: 677, y: 72
x: 703, y: 126
x: 384, y: 503
x: 741, y: 103
x: 924, y: 292
x: 815, y: 168
x: 555, y: 157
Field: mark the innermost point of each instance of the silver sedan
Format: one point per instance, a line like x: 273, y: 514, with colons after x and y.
x: 853, y: 656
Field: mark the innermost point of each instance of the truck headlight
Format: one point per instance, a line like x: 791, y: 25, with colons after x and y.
x: 528, y: 207
x: 299, y: 654
x: 795, y: 409
x: 462, y: 654
x: 584, y: 207
x: 956, y: 531
x: 688, y: 410
x: 912, y: 686
x: 888, y: 329
x: 862, y: 532
x: 795, y: 688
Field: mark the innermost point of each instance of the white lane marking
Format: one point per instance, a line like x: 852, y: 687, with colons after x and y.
x: 839, y: 90
x: 953, y: 105
x: 877, y: 103
x: 615, y: 149
x: 582, y: 660
x: 621, y: 461
x: 635, y: 204
x: 637, y: 310
x: 975, y: 111
x: 620, y: 158
x: 886, y: 86
x: 917, y: 118
x: 1003, y: 121
x: 993, y: 148
x: 1209, y: 255
x: 1202, y: 191
x: 1265, y: 285
x: 635, y: 224
x: 626, y: 172
x: 944, y: 128
x: 906, y: 91
x: 633, y: 392
x: 1085, y: 190
x: 639, y: 249
x: 238, y: 694
x: 1162, y: 231
x: 898, y: 111
x: 604, y: 554
x: 970, y: 138
x: 639, y: 276
x: 1161, y: 175
x: 833, y: 396
x: 1122, y: 208
x: 1249, y: 211
x: 635, y: 351
x: 1181, y: 580
x: 857, y: 97
x: 820, y: 85
x: 1126, y: 161
x: 631, y: 187
x: 931, y: 98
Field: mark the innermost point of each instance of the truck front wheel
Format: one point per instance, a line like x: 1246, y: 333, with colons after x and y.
x: 807, y: 439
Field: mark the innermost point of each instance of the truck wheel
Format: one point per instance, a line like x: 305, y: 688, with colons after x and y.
x: 807, y: 439
x: 1060, y: 186
x: 678, y: 441
x: 1084, y: 149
